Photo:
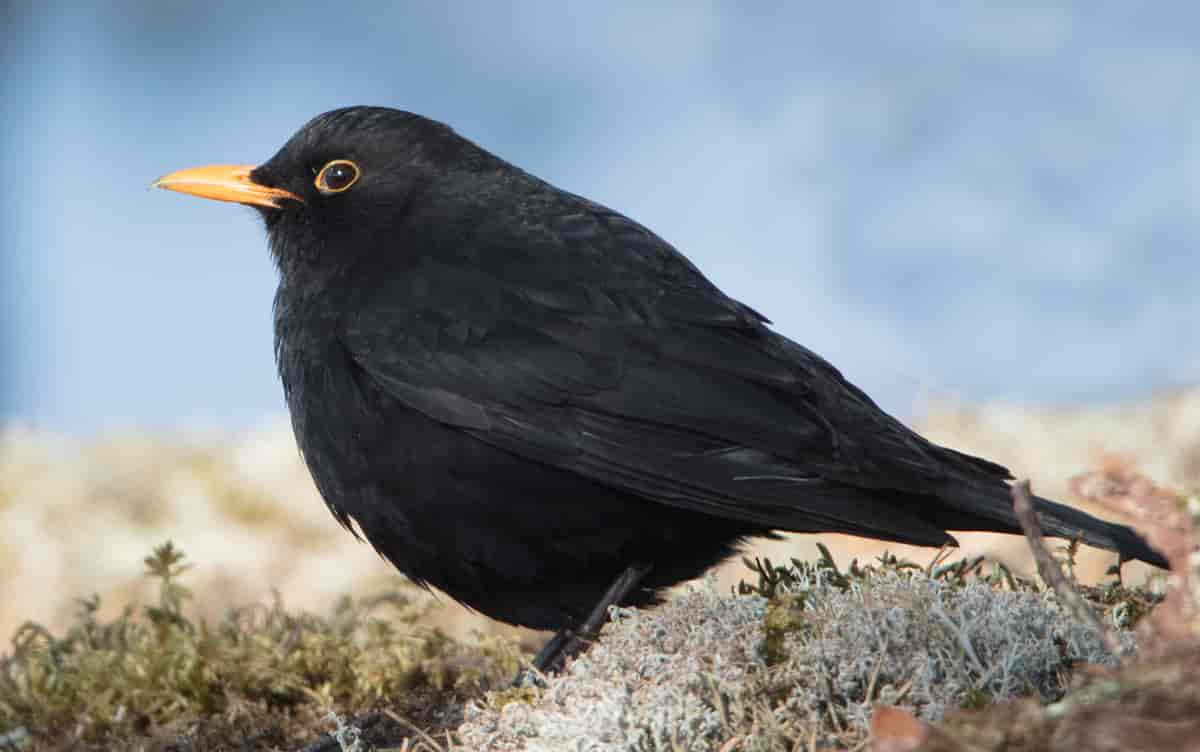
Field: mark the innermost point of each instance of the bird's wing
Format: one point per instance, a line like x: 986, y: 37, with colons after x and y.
x: 599, y: 349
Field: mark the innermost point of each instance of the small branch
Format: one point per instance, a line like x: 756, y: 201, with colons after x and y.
x: 1050, y: 571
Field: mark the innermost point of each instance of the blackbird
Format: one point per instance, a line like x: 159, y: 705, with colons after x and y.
x: 535, y: 404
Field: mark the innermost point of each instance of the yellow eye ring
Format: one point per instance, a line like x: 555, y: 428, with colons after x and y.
x: 336, y: 176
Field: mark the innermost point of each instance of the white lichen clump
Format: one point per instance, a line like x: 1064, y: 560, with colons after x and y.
x: 691, y: 674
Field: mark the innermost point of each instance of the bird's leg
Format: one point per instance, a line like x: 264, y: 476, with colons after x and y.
x: 553, y: 647
x: 567, y: 642
x: 620, y: 588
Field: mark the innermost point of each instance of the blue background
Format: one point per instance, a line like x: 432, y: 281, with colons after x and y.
x: 983, y: 200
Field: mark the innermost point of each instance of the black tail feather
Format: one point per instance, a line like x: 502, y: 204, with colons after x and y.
x: 1067, y: 522
x: 990, y: 509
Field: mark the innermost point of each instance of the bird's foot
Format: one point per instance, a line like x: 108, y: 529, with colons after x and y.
x: 569, y: 642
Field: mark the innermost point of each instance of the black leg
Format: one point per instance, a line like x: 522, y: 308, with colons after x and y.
x: 553, y: 647
x: 567, y: 642
x: 620, y: 588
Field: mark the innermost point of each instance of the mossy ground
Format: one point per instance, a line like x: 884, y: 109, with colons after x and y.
x: 261, y: 678
x: 799, y: 656
x: 804, y: 669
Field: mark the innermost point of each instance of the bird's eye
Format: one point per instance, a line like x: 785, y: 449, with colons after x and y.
x: 336, y: 176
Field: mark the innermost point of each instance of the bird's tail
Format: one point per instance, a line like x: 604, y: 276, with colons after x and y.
x: 1063, y: 521
x: 990, y: 509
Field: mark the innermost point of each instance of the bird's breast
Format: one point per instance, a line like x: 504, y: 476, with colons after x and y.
x: 332, y: 417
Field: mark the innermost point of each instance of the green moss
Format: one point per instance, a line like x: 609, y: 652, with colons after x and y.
x: 156, y: 669
x: 498, y: 699
x: 784, y: 616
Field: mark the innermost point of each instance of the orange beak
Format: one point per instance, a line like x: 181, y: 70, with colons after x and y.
x: 225, y: 183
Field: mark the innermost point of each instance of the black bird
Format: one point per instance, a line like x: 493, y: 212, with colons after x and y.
x: 538, y: 406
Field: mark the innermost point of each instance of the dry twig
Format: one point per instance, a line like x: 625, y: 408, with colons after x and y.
x: 1049, y: 570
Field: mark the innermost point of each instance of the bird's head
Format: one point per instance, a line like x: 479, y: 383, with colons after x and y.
x: 342, y: 185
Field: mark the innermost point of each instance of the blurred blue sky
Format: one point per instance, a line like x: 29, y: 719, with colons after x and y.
x: 986, y: 200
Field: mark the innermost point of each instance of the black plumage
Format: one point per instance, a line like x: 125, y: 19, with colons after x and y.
x: 517, y: 393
